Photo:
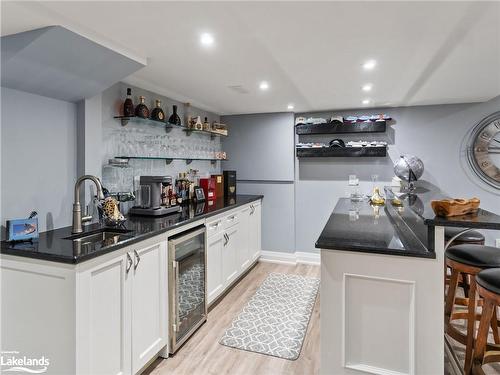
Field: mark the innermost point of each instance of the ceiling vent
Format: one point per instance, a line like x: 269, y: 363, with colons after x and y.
x: 239, y: 89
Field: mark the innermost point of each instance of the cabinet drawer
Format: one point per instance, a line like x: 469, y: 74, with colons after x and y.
x: 231, y: 219
x: 214, y: 227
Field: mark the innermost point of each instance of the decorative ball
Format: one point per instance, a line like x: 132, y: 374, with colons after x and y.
x: 409, y: 167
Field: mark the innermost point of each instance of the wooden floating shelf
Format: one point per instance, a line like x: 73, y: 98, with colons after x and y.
x: 336, y: 152
x: 342, y: 128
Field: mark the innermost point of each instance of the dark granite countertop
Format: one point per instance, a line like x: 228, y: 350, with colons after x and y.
x: 53, y: 246
x: 407, y: 230
x: 361, y: 227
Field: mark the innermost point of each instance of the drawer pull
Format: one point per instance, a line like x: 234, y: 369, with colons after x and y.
x: 129, y: 263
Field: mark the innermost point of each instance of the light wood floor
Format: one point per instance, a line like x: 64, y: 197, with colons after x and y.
x: 203, y: 354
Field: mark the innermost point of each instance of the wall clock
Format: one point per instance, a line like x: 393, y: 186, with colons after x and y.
x: 483, y: 150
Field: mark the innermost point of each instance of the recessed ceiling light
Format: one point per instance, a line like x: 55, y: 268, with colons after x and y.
x: 264, y: 85
x: 369, y: 65
x: 368, y: 87
x: 207, y: 39
x: 290, y: 106
x: 366, y: 101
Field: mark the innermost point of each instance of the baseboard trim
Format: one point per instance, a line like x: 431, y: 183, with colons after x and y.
x: 290, y: 258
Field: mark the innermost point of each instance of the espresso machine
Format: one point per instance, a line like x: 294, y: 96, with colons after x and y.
x: 150, y: 195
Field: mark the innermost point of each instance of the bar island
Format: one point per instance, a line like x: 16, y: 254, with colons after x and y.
x: 382, y: 282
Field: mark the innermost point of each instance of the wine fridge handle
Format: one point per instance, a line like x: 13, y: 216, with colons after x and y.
x: 176, y: 267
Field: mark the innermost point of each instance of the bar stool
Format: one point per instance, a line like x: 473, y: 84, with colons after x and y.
x: 461, y: 236
x: 488, y: 288
x: 468, y: 260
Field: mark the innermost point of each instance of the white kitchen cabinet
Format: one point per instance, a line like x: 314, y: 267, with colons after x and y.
x: 255, y: 230
x: 104, y: 319
x: 149, y: 303
x: 215, y: 280
x: 230, y: 269
x: 124, y: 301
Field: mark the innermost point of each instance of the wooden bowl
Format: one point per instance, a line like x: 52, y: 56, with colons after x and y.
x: 455, y: 207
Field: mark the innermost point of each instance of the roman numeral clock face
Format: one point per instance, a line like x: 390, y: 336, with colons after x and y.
x: 484, y: 150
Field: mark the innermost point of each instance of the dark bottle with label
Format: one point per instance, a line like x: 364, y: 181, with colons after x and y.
x: 174, y: 117
x: 157, y: 113
x: 142, y: 110
x: 206, y: 124
x: 128, y: 105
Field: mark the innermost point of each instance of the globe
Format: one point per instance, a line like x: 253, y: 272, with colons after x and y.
x: 409, y: 168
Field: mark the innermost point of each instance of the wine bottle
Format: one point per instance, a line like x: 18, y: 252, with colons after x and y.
x: 206, y: 124
x: 174, y: 117
x: 157, y: 113
x: 128, y: 105
x: 142, y: 110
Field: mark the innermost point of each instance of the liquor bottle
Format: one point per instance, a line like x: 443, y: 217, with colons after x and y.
x: 128, y: 105
x: 206, y: 124
x: 174, y: 117
x: 157, y: 113
x: 142, y: 110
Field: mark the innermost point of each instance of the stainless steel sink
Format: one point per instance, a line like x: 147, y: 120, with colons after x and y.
x: 108, y: 236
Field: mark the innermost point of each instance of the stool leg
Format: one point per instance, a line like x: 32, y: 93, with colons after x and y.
x: 471, y: 325
x: 494, y: 326
x: 450, y: 297
x: 465, y: 284
x: 482, y: 336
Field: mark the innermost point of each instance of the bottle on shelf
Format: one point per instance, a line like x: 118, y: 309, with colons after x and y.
x: 187, y: 115
x: 142, y: 110
x: 206, y: 124
x: 174, y: 117
x: 157, y: 113
x: 128, y: 104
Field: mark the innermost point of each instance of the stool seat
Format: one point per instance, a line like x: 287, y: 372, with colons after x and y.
x: 489, y: 279
x: 475, y: 255
x: 471, y: 236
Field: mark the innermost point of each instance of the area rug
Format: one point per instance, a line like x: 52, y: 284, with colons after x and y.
x: 274, y: 321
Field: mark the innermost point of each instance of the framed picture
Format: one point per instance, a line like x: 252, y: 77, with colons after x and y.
x: 199, y: 194
x: 22, y: 229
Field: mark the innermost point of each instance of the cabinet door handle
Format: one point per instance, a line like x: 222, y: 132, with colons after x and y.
x: 129, y: 263
x: 137, y: 258
x: 226, y: 238
x: 252, y: 209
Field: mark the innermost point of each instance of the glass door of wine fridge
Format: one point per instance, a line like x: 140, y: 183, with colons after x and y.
x: 187, y: 284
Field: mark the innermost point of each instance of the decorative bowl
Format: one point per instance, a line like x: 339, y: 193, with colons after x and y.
x: 455, y: 207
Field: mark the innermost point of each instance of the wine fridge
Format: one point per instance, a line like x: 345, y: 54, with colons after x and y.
x: 187, y: 285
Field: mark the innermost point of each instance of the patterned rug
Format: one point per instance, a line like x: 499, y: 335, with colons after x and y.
x: 274, y: 322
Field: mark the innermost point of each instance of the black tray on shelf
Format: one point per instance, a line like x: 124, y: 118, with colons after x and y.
x: 339, y: 127
x: 329, y: 152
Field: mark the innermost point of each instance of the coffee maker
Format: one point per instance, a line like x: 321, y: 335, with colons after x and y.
x: 150, y: 193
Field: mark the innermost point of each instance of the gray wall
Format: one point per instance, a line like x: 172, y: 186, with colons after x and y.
x: 38, y: 158
x: 260, y: 148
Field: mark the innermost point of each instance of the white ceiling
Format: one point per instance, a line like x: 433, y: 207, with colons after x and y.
x: 310, y: 53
